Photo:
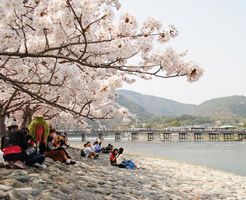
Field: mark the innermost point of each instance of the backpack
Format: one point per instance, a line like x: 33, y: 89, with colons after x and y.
x: 82, y: 153
x: 128, y: 164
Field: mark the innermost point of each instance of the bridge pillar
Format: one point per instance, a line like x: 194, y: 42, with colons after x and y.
x: 241, y: 136
x: 134, y: 136
x: 166, y: 137
x: 151, y: 136
x: 83, y: 139
x: 100, y: 136
x: 117, y: 136
x: 182, y: 137
x: 228, y: 136
x: 213, y: 137
x: 198, y: 137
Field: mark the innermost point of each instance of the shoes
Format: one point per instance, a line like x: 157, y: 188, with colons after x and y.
x: 9, y: 164
x: 41, y: 166
x: 19, y: 165
x: 70, y: 162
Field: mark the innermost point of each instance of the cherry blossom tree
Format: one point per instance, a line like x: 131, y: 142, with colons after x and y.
x: 72, y: 54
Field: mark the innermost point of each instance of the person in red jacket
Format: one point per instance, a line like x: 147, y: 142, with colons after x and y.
x: 112, y: 157
x: 13, y: 146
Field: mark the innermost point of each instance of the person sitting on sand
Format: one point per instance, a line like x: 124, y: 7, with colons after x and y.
x: 34, y: 158
x: 13, y: 145
x: 66, y: 143
x: 112, y: 157
x: 97, y: 147
x: 123, y: 162
x: 88, y: 151
x: 108, y: 149
x: 16, y: 151
x: 55, y: 151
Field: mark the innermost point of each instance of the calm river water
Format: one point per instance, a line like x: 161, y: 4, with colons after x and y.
x: 226, y: 156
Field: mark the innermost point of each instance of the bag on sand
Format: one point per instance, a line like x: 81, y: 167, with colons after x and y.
x: 128, y: 164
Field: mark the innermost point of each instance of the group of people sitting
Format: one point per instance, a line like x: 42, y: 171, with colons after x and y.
x: 30, y: 146
x: 116, y: 155
x: 90, y: 151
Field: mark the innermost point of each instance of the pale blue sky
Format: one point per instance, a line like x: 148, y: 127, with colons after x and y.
x: 214, y: 32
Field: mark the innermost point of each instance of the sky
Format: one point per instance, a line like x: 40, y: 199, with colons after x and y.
x: 214, y: 32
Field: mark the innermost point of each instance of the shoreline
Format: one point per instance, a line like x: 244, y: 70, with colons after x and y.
x: 157, y: 178
x: 164, y: 158
x: 226, y: 157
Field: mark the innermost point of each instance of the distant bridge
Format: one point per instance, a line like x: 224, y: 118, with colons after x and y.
x: 193, y: 134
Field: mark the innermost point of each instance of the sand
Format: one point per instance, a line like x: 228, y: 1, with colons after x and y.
x: 156, y: 178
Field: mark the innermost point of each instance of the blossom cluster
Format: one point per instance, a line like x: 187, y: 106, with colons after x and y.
x: 75, y: 54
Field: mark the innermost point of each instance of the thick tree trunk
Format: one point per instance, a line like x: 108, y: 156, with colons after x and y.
x: 2, y: 125
x: 27, y: 117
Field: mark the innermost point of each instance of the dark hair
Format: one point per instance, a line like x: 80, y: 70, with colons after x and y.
x: 113, y: 152
x: 85, y: 144
x: 121, y: 150
x: 96, y: 142
x: 52, y: 130
x: 25, y: 131
x: 29, y: 137
x: 58, y: 133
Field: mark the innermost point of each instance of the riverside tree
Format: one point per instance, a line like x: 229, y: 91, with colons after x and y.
x: 71, y: 55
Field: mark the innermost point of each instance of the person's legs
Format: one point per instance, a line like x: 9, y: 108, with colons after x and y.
x: 15, y: 157
x: 65, y: 152
x: 57, y: 155
x: 121, y: 166
x: 15, y: 160
x: 36, y: 158
x: 90, y: 155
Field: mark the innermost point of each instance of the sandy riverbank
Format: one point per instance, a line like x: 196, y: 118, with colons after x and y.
x: 96, y: 179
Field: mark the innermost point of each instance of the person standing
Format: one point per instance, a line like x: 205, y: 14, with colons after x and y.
x: 39, y: 130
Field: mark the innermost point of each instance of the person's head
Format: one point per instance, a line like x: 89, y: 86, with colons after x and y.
x: 121, y: 150
x: 52, y: 130
x: 88, y: 144
x: 109, y: 145
x: 85, y: 145
x: 115, y: 152
x: 96, y: 142
x: 12, y: 125
x: 39, y: 118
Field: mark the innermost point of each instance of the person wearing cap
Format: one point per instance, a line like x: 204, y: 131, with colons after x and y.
x: 13, y: 145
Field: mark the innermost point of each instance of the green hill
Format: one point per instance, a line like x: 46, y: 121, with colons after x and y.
x: 155, y: 106
x: 133, y: 107
x: 233, y: 106
x: 146, y: 106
